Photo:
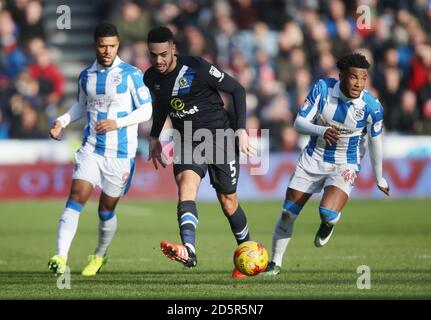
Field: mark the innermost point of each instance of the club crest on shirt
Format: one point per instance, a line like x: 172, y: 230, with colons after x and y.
x: 116, y: 79
x: 183, y: 83
x: 157, y: 87
x: 358, y: 113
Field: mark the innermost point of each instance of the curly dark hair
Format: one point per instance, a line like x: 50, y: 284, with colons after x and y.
x: 105, y: 29
x: 355, y: 60
x: 160, y: 35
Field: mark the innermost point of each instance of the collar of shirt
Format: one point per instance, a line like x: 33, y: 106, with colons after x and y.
x: 98, y: 67
x: 337, y: 93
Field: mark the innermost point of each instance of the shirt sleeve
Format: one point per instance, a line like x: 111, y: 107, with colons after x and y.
x: 375, y: 119
x: 159, y: 112
x: 220, y: 80
x: 375, y: 145
x: 304, y: 120
x: 310, y: 106
x: 139, y: 91
x: 77, y: 110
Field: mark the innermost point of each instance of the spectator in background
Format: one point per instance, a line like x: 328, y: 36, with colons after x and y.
x: 13, y: 59
x: 133, y: 23
x: 227, y: 41
x: 289, y: 138
x: 50, y: 81
x: 390, y: 96
x: 32, y: 25
x: 290, y: 41
x: 424, y: 99
x: 407, y: 116
x: 244, y: 13
x: 28, y: 119
x: 421, y: 64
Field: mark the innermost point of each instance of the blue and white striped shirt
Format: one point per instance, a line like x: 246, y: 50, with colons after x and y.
x: 325, y: 106
x: 112, y: 93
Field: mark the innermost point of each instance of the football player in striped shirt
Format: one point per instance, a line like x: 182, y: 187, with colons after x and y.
x: 114, y: 100
x: 338, y: 114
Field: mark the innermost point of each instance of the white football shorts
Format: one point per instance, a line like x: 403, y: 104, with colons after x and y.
x: 312, y: 175
x: 112, y: 175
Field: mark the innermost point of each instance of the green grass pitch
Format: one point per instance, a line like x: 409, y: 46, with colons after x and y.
x: 391, y: 237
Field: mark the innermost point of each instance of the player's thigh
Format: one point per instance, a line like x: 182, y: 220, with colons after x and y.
x: 304, y: 181
x: 116, y: 175
x: 80, y: 191
x: 87, y: 168
x: 334, y: 198
x: 338, y: 187
x: 224, y: 176
x: 188, y: 181
x: 297, y: 197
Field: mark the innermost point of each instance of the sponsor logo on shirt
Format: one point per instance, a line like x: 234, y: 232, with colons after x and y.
x: 177, y: 104
x: 183, y: 113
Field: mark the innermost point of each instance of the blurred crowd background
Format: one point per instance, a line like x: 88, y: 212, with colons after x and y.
x: 276, y: 49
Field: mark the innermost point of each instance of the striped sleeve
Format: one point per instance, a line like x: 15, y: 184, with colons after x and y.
x: 140, y: 93
x: 311, y: 104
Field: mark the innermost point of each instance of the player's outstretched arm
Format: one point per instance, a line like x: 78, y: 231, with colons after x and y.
x: 376, y: 155
x: 75, y: 112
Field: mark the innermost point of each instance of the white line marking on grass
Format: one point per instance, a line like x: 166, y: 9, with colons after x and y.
x: 424, y: 256
x: 331, y: 257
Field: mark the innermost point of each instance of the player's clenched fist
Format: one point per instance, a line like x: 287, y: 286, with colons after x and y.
x: 331, y: 136
x: 55, y: 131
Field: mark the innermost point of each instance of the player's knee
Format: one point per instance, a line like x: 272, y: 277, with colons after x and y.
x: 290, y: 211
x: 78, y: 197
x: 329, y: 216
x: 229, y: 203
x: 106, y: 215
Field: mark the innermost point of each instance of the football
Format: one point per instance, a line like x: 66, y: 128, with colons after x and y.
x: 250, y: 258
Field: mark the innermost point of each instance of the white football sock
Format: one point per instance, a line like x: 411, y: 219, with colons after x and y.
x: 281, y: 236
x: 67, y: 227
x: 107, y: 230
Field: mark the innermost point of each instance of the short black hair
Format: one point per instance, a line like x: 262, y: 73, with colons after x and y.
x: 160, y: 35
x: 105, y: 29
x: 354, y: 60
